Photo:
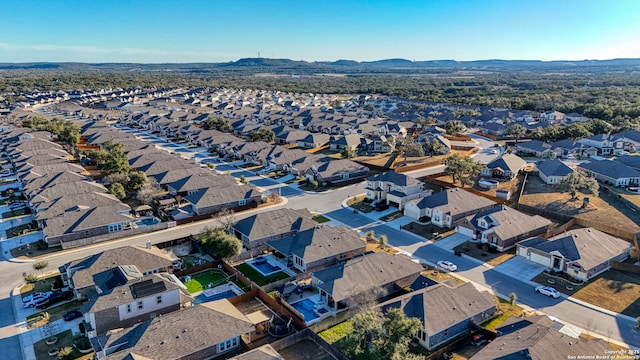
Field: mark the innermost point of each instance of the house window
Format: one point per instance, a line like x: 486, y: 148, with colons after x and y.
x: 159, y: 299
x: 228, y: 344
x: 115, y: 227
x: 140, y: 305
x: 242, y: 202
x: 128, y: 308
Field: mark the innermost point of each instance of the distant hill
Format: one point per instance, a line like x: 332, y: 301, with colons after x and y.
x: 345, y: 66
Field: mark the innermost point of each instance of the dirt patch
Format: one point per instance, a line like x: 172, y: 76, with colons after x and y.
x: 483, y: 253
x: 547, y: 197
x: 613, y: 290
x: 440, y: 276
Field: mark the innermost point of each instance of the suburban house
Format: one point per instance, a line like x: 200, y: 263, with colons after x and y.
x: 318, y: 246
x: 446, y: 207
x: 381, y: 272
x: 611, y: 172
x: 502, y: 226
x: 535, y: 337
x: 551, y: 171
x: 445, y: 313
x: 79, y: 274
x: 536, y: 148
x: 351, y: 141
x: 125, y: 297
x: 627, y: 141
x: 314, y: 140
x: 256, y: 230
x: 581, y: 253
x: 394, y: 188
x: 568, y: 147
x: 602, y: 142
x: 212, y: 200
x: 336, y: 172
x: 264, y: 352
x: 204, y: 331
x: 505, y: 167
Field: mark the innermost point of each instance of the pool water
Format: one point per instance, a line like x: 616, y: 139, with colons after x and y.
x: 223, y: 295
x: 265, y: 268
x: 148, y: 221
x: 305, y: 307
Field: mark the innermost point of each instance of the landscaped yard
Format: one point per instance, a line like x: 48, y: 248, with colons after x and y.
x: 201, y: 281
x: 394, y: 215
x: 257, y: 277
x: 428, y: 231
x: 22, y: 229
x: 505, y: 311
x: 440, y: 276
x: 17, y: 212
x: 32, y: 250
x: 337, y: 332
x: 65, y: 339
x: 357, y: 202
x: 476, y: 250
x: 320, y: 218
x: 42, y: 285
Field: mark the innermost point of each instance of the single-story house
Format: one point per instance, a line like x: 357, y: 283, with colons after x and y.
x: 318, y: 246
x: 261, y: 228
x: 581, y: 253
x: 536, y: 147
x: 215, y: 199
x: 611, y: 172
x: 552, y: 171
x: 505, y: 167
x: 445, y: 313
x: 502, y: 226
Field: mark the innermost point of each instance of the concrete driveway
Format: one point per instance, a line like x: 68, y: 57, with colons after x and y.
x: 520, y: 267
x: 451, y: 241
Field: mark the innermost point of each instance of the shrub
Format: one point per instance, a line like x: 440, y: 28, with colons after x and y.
x: 367, y: 200
x: 81, y: 342
x: 31, y: 278
x: 41, y: 245
x: 66, y: 353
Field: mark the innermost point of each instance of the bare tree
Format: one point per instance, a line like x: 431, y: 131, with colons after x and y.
x: 226, y: 219
x: 365, y: 297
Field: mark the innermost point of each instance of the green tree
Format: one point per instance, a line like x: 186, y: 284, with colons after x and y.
x: 454, y: 127
x: 512, y: 298
x: 378, y: 336
x: 578, y: 181
x: 370, y: 235
x: 433, y: 147
x: 136, y: 179
x: 262, y: 134
x: 576, y: 131
x: 217, y: 123
x: 117, y: 190
x: 462, y: 169
x: 413, y: 150
x: 219, y: 243
x: 40, y: 266
x: 31, y: 278
x: 516, y: 131
x: 348, y: 153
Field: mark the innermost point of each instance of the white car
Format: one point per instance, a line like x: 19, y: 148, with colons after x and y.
x: 549, y: 291
x: 31, y: 300
x: 447, y: 265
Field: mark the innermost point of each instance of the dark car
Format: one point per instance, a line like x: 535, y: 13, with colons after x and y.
x: 71, y: 315
x: 55, y: 297
x: 382, y: 206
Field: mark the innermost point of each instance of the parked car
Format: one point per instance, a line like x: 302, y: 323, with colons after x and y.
x: 549, y: 291
x: 36, y: 298
x: 382, y: 206
x: 55, y: 297
x: 71, y: 315
x: 447, y: 265
x: 16, y: 205
x: 478, y: 339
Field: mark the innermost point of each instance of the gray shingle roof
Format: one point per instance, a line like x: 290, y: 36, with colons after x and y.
x: 365, y: 272
x: 508, y: 162
x: 439, y: 307
x: 507, y: 222
x: 395, y: 178
x: 587, y: 247
x: 453, y: 201
x: 553, y: 167
x: 180, y: 333
x: 318, y: 243
x: 536, y: 339
x: 610, y: 168
x: 264, y: 352
x: 275, y: 222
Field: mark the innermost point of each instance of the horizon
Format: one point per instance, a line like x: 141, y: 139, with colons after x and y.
x: 198, y: 31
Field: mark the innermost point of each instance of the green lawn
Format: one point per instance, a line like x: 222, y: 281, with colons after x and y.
x: 200, y: 281
x: 42, y: 285
x: 257, y: 277
x: 337, y: 332
x: 320, y: 218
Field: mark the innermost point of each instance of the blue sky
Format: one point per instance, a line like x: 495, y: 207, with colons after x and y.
x: 224, y: 30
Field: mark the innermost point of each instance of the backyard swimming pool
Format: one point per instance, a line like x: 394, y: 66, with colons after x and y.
x: 223, y: 295
x: 148, y: 221
x: 306, y: 307
x: 262, y: 265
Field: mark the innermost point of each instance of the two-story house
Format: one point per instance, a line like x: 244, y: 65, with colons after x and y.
x: 446, y: 207
x: 394, y: 188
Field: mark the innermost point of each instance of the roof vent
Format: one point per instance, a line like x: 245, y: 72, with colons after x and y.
x: 162, y: 342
